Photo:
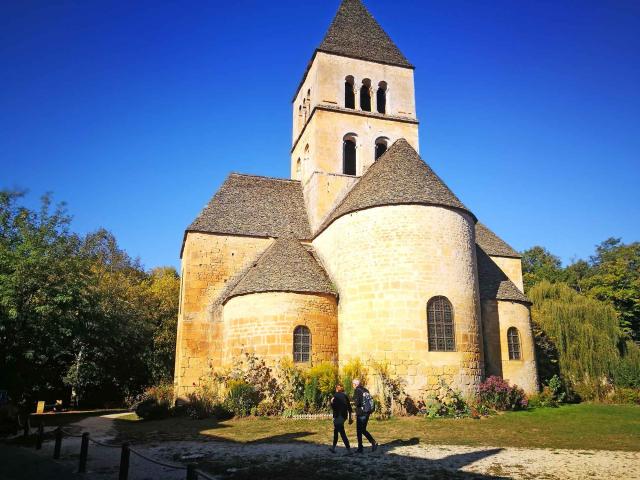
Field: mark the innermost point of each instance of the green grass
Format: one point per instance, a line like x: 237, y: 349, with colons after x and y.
x: 584, y: 426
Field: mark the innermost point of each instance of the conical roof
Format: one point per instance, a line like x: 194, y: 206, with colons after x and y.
x: 286, y: 266
x: 492, y: 244
x: 494, y: 283
x: 399, y: 177
x: 355, y: 33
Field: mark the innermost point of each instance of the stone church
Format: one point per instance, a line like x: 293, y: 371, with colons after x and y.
x: 364, y: 253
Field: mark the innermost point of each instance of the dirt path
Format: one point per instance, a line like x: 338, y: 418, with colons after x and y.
x: 295, y: 460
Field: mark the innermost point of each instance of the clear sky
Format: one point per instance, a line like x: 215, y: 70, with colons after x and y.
x: 135, y: 112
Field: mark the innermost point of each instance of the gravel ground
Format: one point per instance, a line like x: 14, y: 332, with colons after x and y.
x: 293, y: 460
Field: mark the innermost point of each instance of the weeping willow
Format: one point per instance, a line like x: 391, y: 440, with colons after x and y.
x: 584, y: 331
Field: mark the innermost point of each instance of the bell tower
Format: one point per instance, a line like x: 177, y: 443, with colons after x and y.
x: 354, y: 100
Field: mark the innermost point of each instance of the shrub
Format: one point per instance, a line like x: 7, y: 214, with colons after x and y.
x: 592, y: 390
x: 292, y: 382
x: 626, y: 396
x: 445, y: 402
x: 268, y: 408
x: 627, y: 372
x: 155, y: 403
x: 321, y: 381
x: 495, y: 393
x: 390, y: 389
x: 241, y: 397
x: 350, y: 371
x: 151, y: 409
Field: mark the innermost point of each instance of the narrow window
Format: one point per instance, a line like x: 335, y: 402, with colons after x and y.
x: 301, y: 344
x: 513, y: 342
x: 349, y: 93
x: 298, y: 169
x: 381, y: 97
x: 349, y: 156
x: 381, y: 147
x: 365, y: 95
x: 440, y: 325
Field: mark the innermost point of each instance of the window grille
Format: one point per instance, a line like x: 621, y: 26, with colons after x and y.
x: 301, y: 344
x: 440, y: 325
x: 513, y: 342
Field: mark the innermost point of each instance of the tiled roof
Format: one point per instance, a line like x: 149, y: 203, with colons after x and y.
x: 494, y: 284
x: 355, y: 33
x: 286, y: 266
x: 255, y: 206
x: 399, y: 177
x: 492, y: 244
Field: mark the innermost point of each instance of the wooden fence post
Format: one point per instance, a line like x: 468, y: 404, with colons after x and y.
x: 84, y: 451
x: 58, y: 445
x: 192, y: 474
x: 40, y: 436
x: 124, y: 462
x: 26, y: 425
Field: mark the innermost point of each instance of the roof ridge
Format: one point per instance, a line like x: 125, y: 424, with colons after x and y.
x: 264, y: 177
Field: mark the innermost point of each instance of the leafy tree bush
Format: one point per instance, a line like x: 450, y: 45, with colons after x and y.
x: 77, y: 314
x: 583, y: 331
x: 320, y: 384
x: 350, y: 371
x: 241, y: 398
x: 445, y: 402
x: 496, y: 394
x: 627, y: 372
x: 391, y: 394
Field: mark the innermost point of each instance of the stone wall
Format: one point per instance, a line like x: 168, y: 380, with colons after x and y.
x: 497, y: 318
x: 322, y: 192
x: 263, y: 323
x: 387, y: 262
x: 209, y: 261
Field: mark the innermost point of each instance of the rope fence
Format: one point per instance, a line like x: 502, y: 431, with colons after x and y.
x: 192, y: 472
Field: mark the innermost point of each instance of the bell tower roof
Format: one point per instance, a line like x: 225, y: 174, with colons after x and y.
x: 355, y: 33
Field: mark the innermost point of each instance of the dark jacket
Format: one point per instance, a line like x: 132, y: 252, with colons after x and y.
x: 357, y: 399
x: 341, y: 405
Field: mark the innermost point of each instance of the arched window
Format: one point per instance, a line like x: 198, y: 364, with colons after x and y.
x: 298, y: 169
x: 381, y: 97
x: 440, y: 325
x: 349, y: 93
x: 365, y: 95
x: 349, y: 155
x: 381, y: 147
x: 301, y: 344
x: 513, y: 342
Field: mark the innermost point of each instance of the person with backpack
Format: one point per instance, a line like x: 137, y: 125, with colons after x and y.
x: 364, y: 408
x: 341, y: 406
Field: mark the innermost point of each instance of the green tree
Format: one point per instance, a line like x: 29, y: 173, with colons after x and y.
x: 614, y: 277
x: 42, y: 296
x: 584, y: 333
x: 539, y: 264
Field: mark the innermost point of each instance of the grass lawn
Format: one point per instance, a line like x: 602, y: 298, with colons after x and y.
x: 584, y: 426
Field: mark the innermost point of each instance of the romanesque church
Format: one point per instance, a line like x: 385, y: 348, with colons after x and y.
x: 365, y: 253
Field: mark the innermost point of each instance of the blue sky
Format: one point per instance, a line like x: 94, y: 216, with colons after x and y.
x: 134, y: 112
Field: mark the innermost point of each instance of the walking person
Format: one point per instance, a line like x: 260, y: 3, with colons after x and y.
x: 341, y: 406
x: 364, y: 408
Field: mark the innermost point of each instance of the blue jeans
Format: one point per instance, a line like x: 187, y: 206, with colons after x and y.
x: 361, y: 429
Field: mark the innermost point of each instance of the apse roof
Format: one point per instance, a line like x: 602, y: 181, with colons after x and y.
x: 398, y: 177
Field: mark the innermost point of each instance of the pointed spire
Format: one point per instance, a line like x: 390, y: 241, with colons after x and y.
x: 286, y: 266
x: 398, y: 177
x: 355, y: 33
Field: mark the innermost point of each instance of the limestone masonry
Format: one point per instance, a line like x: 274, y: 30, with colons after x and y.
x: 364, y: 254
